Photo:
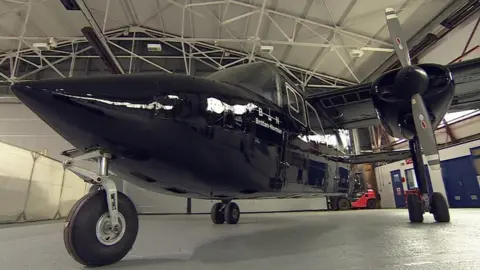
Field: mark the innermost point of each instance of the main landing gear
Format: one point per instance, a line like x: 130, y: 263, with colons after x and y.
x: 418, y: 204
x: 102, y: 226
x: 225, y: 211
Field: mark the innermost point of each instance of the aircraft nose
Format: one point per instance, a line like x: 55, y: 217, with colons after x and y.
x: 19, y: 88
x: 57, y: 112
x: 34, y: 96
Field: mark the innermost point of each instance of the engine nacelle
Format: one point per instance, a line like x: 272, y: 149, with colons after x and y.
x: 393, y: 104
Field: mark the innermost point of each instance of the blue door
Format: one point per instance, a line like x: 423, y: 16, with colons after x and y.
x: 397, y: 186
x: 461, y: 183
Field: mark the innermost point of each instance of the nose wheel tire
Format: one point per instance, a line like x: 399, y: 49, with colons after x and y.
x: 89, y: 235
x: 217, y: 214
x: 232, y: 213
x: 439, y: 207
x: 415, y: 208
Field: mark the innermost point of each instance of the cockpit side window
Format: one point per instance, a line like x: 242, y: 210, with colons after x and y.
x: 314, y: 121
x: 296, y: 105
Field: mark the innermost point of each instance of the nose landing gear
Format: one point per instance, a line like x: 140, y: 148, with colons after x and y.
x: 102, y: 226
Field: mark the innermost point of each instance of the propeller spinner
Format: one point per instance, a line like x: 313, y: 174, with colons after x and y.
x: 411, y: 82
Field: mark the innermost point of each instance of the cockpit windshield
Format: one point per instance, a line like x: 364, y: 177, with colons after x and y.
x: 259, y: 77
x: 262, y: 78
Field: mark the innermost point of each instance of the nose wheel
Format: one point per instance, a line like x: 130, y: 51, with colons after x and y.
x: 102, y: 226
x: 225, y: 212
x: 89, y: 235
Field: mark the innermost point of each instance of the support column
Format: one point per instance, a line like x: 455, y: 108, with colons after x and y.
x: 339, y: 140
x: 355, y: 140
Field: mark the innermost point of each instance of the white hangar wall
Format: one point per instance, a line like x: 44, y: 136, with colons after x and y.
x: 20, y: 126
x: 451, y: 46
x: 35, y: 187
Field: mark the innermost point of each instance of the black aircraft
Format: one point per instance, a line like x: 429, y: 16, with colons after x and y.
x: 240, y: 133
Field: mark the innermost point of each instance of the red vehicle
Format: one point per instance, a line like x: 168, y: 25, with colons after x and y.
x: 360, y: 197
x: 365, y: 200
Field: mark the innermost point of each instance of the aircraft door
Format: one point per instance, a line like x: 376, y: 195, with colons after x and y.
x: 294, y: 151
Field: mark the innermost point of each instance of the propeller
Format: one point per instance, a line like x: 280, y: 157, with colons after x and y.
x: 412, y: 82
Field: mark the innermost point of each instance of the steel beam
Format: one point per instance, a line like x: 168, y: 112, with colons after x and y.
x: 322, y: 25
x: 259, y: 24
x: 98, y: 32
x: 224, y: 40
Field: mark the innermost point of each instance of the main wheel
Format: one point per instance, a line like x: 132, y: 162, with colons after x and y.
x: 439, y: 207
x: 371, y: 204
x: 217, y: 213
x: 232, y: 213
x: 88, y: 234
x: 343, y: 204
x: 415, y: 208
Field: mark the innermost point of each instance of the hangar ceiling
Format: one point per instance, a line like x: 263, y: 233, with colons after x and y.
x: 317, y: 42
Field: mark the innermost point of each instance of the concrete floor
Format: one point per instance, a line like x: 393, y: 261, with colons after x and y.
x: 368, y: 239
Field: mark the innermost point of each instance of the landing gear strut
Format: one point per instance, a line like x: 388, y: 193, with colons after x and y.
x: 102, y: 226
x: 417, y: 206
x: 225, y: 211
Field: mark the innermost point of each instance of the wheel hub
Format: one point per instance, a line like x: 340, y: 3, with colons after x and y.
x: 235, y: 213
x: 108, y: 234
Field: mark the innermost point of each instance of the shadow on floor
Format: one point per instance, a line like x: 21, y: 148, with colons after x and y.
x: 259, y: 245
x: 139, y: 262
x: 252, y: 246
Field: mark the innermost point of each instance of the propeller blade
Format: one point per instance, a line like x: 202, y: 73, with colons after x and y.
x: 425, y: 132
x: 397, y: 37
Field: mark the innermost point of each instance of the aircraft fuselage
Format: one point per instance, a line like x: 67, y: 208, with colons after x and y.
x: 187, y: 136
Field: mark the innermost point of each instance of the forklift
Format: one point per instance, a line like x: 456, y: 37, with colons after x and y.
x: 358, y: 195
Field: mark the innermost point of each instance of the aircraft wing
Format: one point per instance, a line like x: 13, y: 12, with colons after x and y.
x: 387, y: 156
x: 351, y: 107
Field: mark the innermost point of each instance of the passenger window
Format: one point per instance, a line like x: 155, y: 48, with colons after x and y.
x: 296, y: 106
x: 314, y: 120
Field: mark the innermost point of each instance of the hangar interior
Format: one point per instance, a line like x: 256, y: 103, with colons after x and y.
x: 322, y: 46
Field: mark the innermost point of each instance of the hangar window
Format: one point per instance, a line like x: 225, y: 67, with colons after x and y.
x: 411, y: 179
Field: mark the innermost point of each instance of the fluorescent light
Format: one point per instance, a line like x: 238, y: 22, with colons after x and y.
x: 154, y: 47
x: 377, y: 49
